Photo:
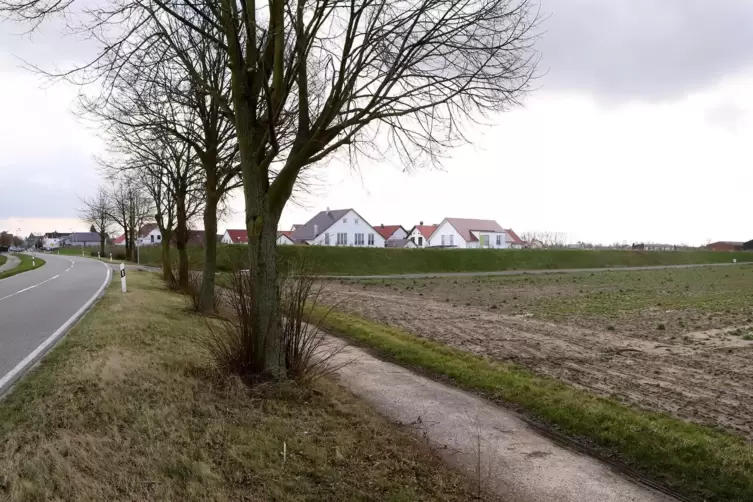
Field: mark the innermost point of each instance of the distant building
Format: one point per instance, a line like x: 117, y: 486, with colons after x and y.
x: 285, y: 238
x: 338, y: 227
x: 392, y: 232
x: 420, y: 234
x: 53, y: 240
x: 235, y: 236
x: 469, y: 233
x: 725, y: 246
x: 401, y: 243
x: 81, y: 239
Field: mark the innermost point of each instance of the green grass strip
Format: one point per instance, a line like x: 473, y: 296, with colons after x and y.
x: 24, y: 266
x: 689, y: 458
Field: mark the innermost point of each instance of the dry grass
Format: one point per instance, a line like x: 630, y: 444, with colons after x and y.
x: 125, y: 408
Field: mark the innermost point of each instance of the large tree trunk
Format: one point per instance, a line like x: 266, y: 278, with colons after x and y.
x: 181, y: 238
x: 261, y: 226
x: 206, y: 296
x: 167, y: 265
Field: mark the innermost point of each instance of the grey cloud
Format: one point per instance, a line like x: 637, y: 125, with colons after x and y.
x: 643, y: 49
x: 46, y: 188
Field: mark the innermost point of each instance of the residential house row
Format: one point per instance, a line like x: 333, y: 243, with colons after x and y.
x: 345, y: 227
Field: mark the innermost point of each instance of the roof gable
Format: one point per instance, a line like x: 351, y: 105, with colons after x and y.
x: 318, y: 224
x: 387, y: 230
x: 466, y: 226
x: 425, y: 230
x: 238, y: 236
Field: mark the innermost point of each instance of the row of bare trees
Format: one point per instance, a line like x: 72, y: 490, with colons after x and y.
x: 240, y: 92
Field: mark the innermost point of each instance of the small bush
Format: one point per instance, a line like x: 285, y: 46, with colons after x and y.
x: 661, y: 327
x: 610, y: 328
x: 193, y: 293
x: 236, y: 345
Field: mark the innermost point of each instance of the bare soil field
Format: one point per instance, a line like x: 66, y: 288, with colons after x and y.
x: 679, y: 341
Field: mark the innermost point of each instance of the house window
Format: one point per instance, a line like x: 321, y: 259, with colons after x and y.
x: 159, y: 237
x: 443, y: 240
x: 371, y: 239
x: 499, y: 240
x: 485, y: 241
x: 152, y: 238
x: 326, y: 239
x: 342, y: 239
x: 420, y: 241
x: 345, y: 220
x: 357, y: 221
x: 359, y: 239
x: 452, y: 240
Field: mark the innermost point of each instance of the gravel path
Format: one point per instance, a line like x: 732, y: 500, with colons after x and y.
x: 514, y: 461
x: 12, y: 262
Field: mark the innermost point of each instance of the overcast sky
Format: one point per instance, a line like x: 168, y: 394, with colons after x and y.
x: 639, y: 129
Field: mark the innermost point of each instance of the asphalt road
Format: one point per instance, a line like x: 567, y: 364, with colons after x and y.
x: 38, y: 306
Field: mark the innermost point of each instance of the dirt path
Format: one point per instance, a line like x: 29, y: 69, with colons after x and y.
x: 709, y: 382
x: 495, y: 448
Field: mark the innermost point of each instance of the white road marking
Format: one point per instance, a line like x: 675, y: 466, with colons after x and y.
x: 30, y: 287
x: 21, y: 367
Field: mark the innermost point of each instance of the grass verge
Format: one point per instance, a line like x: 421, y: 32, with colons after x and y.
x: 3, y: 259
x: 24, y: 266
x: 699, y: 461
x: 126, y: 408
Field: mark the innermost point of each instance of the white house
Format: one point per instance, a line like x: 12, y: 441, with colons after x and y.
x: 53, y: 240
x: 341, y: 227
x: 513, y: 240
x: 467, y: 233
x: 285, y: 238
x: 392, y: 232
x: 149, y: 235
x: 420, y: 234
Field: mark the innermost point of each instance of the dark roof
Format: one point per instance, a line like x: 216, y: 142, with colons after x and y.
x: 146, y: 229
x: 56, y: 235
x: 731, y: 243
x: 398, y: 243
x: 84, y: 237
x: 322, y: 221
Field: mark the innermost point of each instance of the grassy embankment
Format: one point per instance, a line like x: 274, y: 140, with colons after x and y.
x: 126, y: 407
x: 366, y: 261
x: 24, y: 266
x: 3, y: 259
x: 699, y: 461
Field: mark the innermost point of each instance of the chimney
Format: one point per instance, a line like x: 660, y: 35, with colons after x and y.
x: 382, y: 225
x: 421, y: 223
x: 316, y: 230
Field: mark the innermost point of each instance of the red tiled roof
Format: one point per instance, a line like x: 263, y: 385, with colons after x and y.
x: 238, y: 236
x: 120, y: 239
x: 426, y: 230
x: 387, y: 230
x: 514, y: 239
x: 286, y: 233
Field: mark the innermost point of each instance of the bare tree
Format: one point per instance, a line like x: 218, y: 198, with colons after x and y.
x: 97, y: 212
x: 130, y: 208
x: 309, y: 78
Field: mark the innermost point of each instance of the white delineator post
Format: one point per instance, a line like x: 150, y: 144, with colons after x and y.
x: 33, y: 261
x: 98, y: 257
x: 110, y: 257
x: 122, y: 277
